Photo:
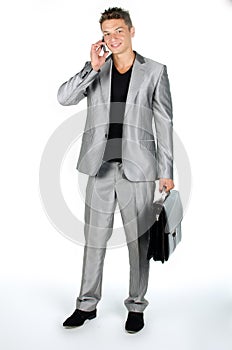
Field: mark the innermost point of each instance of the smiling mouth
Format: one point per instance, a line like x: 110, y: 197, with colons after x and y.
x: 115, y: 46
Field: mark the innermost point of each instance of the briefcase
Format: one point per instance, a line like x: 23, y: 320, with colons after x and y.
x: 165, y: 233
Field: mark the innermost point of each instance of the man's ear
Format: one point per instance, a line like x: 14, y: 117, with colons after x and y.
x: 132, y: 31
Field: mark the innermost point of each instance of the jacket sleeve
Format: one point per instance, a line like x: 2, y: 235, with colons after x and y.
x: 163, y: 117
x: 74, y: 90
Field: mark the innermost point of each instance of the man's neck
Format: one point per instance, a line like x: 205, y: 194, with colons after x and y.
x: 124, y: 61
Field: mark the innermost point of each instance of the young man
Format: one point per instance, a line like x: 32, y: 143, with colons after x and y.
x: 125, y: 91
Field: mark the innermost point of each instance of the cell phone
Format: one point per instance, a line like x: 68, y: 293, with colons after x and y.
x: 103, y: 46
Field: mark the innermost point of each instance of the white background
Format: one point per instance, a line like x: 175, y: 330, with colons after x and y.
x: 43, y: 44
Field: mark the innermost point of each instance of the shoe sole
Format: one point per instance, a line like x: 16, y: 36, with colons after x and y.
x: 89, y: 318
x: 132, y: 332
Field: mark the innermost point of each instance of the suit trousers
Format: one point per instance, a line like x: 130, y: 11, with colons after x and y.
x: 103, y: 191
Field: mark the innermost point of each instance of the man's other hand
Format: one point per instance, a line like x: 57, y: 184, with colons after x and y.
x: 167, y: 183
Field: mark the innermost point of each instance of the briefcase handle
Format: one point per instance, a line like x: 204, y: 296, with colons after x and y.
x: 164, y: 195
x: 158, y: 204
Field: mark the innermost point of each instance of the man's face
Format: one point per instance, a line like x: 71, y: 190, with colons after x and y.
x: 117, y: 35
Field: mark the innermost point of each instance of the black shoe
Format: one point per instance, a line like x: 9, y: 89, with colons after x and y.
x: 79, y: 317
x: 134, y: 322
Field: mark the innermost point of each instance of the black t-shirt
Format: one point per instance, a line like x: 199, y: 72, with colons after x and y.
x: 119, y: 88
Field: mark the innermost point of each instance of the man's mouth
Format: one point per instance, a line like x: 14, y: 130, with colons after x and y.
x: 115, y: 46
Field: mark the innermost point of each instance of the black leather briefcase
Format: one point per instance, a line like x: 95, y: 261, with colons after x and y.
x: 165, y: 233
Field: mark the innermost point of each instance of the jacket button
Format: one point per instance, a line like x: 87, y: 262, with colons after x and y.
x: 106, y: 136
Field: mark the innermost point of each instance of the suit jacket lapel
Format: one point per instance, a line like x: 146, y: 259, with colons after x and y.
x: 137, y: 76
x: 105, y: 81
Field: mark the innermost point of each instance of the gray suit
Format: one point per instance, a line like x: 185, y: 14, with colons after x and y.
x: 145, y: 158
x: 148, y: 96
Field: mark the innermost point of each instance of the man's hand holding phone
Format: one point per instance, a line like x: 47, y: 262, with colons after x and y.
x: 97, y: 61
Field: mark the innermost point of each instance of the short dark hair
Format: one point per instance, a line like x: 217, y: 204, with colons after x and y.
x: 116, y: 13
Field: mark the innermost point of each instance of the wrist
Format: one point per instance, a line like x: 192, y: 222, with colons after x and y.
x: 96, y: 68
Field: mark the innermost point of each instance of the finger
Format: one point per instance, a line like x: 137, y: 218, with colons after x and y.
x: 95, y: 47
x: 105, y: 54
x: 98, y: 44
x: 170, y: 187
x: 96, y: 51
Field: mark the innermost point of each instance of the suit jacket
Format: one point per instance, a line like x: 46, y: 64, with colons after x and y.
x: 147, y: 152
